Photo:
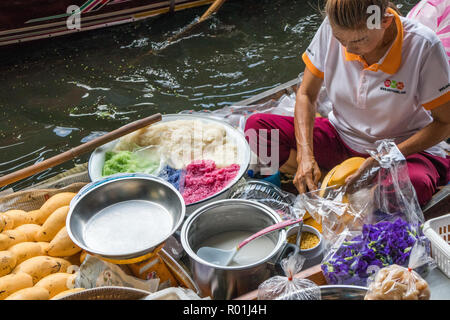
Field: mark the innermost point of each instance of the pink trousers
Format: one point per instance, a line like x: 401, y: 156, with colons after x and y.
x: 426, y: 171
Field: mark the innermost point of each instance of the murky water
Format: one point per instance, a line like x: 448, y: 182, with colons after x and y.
x: 58, y: 93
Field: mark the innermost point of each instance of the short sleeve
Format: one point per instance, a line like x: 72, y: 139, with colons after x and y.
x: 315, y: 54
x: 434, y: 87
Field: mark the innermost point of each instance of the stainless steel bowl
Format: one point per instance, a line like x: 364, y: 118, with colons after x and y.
x: 97, y: 159
x: 342, y: 292
x: 125, y: 217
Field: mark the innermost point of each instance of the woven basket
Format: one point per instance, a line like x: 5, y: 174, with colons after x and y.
x: 107, y: 293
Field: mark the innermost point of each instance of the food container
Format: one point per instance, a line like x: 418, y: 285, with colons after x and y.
x: 337, y: 292
x: 312, y: 256
x: 108, y: 293
x: 124, y: 217
x: 437, y: 230
x: 228, y: 282
x: 97, y: 158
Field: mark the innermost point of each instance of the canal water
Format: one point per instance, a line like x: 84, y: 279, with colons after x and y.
x: 58, y: 93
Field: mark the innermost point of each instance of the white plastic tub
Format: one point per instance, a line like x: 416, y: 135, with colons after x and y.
x: 437, y: 230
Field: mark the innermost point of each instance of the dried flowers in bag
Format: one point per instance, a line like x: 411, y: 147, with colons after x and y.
x: 357, y: 255
x: 395, y: 282
x: 365, y: 233
x: 288, y: 287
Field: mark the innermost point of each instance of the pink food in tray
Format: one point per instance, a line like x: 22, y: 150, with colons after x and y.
x: 203, y: 179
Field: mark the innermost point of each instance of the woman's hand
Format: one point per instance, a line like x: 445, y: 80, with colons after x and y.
x: 366, y: 166
x: 308, y: 175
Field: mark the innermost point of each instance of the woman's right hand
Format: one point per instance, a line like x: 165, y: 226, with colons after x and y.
x: 308, y: 175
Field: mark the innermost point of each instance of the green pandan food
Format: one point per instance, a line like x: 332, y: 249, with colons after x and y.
x: 128, y: 162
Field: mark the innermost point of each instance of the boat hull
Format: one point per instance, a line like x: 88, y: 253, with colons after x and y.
x: 25, y: 20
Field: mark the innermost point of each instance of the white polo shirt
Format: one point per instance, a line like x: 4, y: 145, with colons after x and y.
x: 387, y: 100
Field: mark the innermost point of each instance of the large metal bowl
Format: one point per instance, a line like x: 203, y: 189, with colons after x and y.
x: 333, y: 292
x: 124, y: 217
x: 97, y: 158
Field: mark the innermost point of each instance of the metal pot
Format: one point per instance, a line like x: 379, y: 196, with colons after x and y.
x: 228, y: 282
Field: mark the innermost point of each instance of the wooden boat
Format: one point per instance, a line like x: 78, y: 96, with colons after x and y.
x: 438, y: 206
x: 25, y: 20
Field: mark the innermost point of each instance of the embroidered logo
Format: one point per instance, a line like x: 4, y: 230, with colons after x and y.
x: 393, y: 86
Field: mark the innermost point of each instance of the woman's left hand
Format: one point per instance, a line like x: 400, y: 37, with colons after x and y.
x: 367, y: 165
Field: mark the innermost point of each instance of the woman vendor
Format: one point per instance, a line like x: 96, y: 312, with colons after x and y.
x: 386, y: 81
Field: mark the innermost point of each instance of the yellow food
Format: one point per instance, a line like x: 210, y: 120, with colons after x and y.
x: 41, y: 266
x: 83, y: 256
x: 67, y: 292
x: 19, y: 217
x: 14, y: 282
x: 395, y: 282
x: 57, y: 201
x: 313, y: 223
x: 44, y: 246
x: 30, y: 230
x: 74, y: 259
x: 33, y: 293
x: 309, y: 240
x: 62, y: 245
x: 7, y: 262
x: 9, y: 238
x: 344, y: 170
x: 55, y: 222
x: 6, y: 223
x: 26, y: 250
x: 57, y: 283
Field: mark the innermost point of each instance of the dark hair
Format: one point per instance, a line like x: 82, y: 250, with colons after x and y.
x: 352, y: 14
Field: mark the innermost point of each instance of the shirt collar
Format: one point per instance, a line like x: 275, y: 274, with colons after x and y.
x: 393, y: 59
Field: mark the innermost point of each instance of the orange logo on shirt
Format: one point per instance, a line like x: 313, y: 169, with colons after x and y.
x: 394, y: 84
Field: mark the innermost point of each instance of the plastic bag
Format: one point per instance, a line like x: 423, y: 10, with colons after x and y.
x: 373, y: 224
x: 400, y: 283
x: 172, y: 293
x: 268, y: 194
x: 288, y: 287
x: 95, y: 272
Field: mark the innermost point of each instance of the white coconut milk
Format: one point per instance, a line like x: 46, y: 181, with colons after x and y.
x: 252, y: 252
x: 127, y: 227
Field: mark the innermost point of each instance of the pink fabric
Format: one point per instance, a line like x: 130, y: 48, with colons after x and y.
x: 426, y: 171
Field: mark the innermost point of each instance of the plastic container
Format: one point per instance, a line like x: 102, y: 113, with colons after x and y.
x: 437, y: 230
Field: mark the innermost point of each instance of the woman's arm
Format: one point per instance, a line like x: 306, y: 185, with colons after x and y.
x: 308, y: 172
x: 432, y: 134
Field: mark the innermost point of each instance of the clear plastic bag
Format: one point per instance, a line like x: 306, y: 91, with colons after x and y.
x: 95, y: 272
x: 268, y: 194
x: 288, y: 287
x: 401, y: 283
x: 373, y: 224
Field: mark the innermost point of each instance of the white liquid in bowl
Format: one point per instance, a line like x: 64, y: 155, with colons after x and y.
x: 127, y: 227
x: 252, y: 252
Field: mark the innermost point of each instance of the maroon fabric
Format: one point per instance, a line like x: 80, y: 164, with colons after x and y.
x: 426, y: 171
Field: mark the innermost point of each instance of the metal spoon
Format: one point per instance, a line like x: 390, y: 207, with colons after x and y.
x: 224, y: 257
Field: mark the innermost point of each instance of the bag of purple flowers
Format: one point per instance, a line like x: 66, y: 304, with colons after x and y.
x: 395, y: 282
x: 287, y: 287
x: 370, y: 224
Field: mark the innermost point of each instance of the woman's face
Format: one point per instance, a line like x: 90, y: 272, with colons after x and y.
x: 362, y: 41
